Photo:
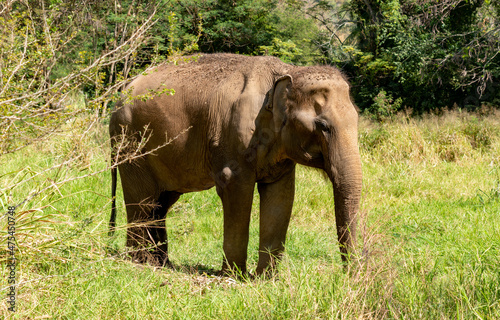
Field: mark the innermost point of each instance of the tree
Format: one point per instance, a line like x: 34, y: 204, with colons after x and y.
x: 228, y: 26
x: 46, y: 57
x: 429, y: 54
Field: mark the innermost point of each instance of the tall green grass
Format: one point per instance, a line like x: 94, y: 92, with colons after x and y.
x: 429, y: 235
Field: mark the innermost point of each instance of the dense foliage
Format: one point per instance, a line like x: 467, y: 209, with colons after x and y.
x: 425, y: 54
x: 399, y: 54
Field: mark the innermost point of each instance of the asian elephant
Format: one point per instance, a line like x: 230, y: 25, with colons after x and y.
x: 237, y: 121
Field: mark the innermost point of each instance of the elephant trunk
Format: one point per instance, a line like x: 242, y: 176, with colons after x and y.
x: 343, y: 167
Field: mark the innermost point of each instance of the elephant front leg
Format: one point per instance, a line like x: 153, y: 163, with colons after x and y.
x: 276, y: 201
x: 237, y: 205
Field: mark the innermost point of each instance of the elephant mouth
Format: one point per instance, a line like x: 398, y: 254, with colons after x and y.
x: 314, y: 160
x: 310, y: 158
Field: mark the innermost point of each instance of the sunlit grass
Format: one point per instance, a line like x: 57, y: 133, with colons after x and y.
x: 429, y: 236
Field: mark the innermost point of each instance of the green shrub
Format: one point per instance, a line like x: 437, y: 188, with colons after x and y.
x: 384, y: 107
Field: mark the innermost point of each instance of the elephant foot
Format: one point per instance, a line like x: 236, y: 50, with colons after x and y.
x: 156, y: 258
x: 268, y: 263
x: 265, y: 273
x: 159, y: 259
x: 238, y: 271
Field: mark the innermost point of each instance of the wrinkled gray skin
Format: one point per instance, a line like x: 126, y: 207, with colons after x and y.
x: 251, y: 120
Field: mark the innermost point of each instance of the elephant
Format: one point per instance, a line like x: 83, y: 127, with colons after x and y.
x: 235, y: 121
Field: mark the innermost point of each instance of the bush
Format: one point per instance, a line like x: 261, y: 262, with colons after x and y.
x: 384, y: 107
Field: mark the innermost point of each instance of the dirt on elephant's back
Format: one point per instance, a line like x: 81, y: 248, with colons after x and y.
x: 218, y: 66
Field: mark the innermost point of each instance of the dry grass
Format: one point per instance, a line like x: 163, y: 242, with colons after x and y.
x: 452, y: 136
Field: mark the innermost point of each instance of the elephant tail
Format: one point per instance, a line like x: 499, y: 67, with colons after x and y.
x: 112, y: 220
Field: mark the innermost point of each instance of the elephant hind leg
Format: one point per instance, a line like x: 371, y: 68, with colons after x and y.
x: 146, y: 232
x: 157, y: 231
x: 147, y: 206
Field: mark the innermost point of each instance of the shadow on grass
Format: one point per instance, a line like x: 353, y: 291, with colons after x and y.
x: 199, y: 269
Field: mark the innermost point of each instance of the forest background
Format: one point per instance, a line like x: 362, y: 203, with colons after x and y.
x: 422, y: 55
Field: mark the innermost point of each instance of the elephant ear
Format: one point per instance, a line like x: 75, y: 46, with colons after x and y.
x: 276, y: 100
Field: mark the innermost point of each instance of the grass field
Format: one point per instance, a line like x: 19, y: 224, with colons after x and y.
x: 429, y: 240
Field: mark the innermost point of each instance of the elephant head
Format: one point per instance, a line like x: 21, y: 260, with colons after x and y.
x: 318, y: 125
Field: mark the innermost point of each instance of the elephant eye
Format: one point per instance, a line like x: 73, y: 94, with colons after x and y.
x: 323, y: 126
